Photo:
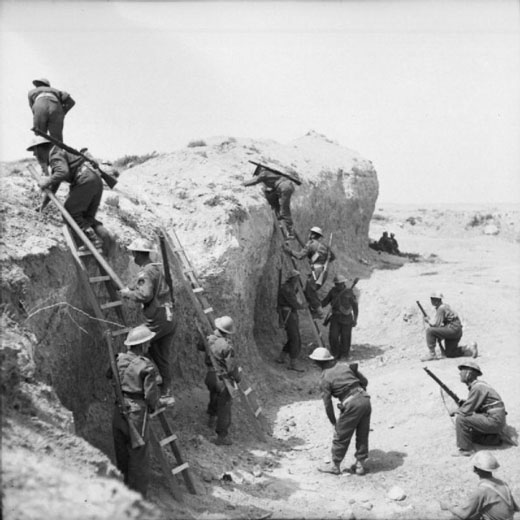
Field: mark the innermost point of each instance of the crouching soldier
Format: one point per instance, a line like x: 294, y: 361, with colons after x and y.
x: 482, y: 416
x: 138, y: 379
x: 344, y: 382
x: 220, y: 399
x: 492, y: 499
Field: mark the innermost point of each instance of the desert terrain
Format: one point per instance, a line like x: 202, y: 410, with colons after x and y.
x: 51, y: 385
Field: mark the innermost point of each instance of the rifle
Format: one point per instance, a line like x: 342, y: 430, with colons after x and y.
x: 329, y: 314
x: 286, y: 175
x: 452, y: 394
x: 111, y: 182
x: 426, y: 316
x: 166, y: 268
x: 321, y: 279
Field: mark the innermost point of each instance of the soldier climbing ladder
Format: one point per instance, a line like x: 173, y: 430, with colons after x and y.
x: 186, y: 273
x: 112, y: 282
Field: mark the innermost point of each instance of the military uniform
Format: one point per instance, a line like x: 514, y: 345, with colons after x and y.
x: 346, y: 383
x: 492, y: 500
x: 49, y: 106
x: 344, y: 309
x: 317, y: 253
x: 289, y: 305
x: 447, y: 327
x: 482, y: 414
x: 139, y: 386
x: 278, y: 191
x: 152, y: 292
x: 220, y: 400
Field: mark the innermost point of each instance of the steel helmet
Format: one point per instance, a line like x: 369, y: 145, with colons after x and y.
x: 225, y: 324
x: 317, y: 230
x: 138, y: 335
x: 37, y: 141
x: 141, y: 244
x: 472, y: 365
x: 41, y: 81
x: 339, y: 278
x: 321, y: 354
x: 484, y: 460
x: 293, y: 274
x: 437, y: 294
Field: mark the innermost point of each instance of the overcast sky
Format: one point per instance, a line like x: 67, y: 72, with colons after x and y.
x: 429, y: 91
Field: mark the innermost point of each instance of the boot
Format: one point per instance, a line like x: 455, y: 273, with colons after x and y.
x: 330, y: 468
x: 96, y: 241
x: 222, y: 440
x: 282, y: 357
x: 292, y: 366
x: 431, y: 356
x: 358, y: 468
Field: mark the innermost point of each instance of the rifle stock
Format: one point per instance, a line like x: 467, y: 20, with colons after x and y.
x: 452, y: 394
x: 110, y: 181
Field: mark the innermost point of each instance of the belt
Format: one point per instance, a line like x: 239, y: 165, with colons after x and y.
x: 46, y: 95
x: 495, y: 407
x: 134, y: 395
x: 354, y: 391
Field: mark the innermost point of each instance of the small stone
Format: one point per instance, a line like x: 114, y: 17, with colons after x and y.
x: 396, y: 493
x: 367, y: 505
x: 257, y: 471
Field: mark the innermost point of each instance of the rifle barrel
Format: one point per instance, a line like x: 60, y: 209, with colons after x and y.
x: 452, y: 394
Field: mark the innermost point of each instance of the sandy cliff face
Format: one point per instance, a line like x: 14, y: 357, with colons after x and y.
x: 227, y: 230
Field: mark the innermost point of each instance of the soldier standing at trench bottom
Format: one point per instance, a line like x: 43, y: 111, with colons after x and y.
x: 141, y: 394
x: 288, y: 306
x: 317, y: 253
x: 344, y: 382
x: 344, y: 309
x: 220, y: 400
x: 151, y: 290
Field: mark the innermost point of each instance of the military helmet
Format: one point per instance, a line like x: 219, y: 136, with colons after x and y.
x: 437, y: 295
x: 339, y: 278
x: 472, y: 365
x: 41, y: 81
x: 317, y: 230
x: 225, y: 324
x: 293, y: 274
x: 484, y: 460
x: 141, y: 244
x: 138, y: 335
x: 321, y: 354
x: 37, y: 141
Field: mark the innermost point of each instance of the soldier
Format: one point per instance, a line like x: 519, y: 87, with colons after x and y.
x: 492, y: 499
x: 151, y: 290
x: 384, y: 243
x: 49, y: 106
x: 344, y: 382
x: 141, y: 395
x: 446, y: 326
x: 220, y: 400
x: 86, y: 189
x: 278, y: 191
x: 482, y: 416
x: 288, y: 306
x: 317, y: 252
x: 344, y: 314
x: 395, y: 245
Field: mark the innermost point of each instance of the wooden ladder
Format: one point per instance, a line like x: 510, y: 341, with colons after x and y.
x: 182, y: 266
x: 112, y: 304
x: 316, y: 328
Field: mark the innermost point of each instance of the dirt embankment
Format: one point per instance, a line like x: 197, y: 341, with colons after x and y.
x: 229, y: 233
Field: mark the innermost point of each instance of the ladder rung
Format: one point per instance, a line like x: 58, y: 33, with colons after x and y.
x: 178, y: 469
x: 119, y: 331
x: 83, y: 253
x: 94, y: 279
x: 208, y: 310
x: 168, y: 440
x: 157, y: 412
x: 111, y: 304
x: 190, y: 270
x: 258, y: 411
x: 198, y: 290
x: 248, y: 391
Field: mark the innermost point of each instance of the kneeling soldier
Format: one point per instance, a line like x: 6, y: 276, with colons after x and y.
x: 482, y: 416
x: 141, y: 394
x: 344, y: 382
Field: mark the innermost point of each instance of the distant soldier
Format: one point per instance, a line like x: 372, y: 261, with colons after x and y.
x: 220, y: 400
x: 288, y: 306
x: 141, y: 395
x: 394, y: 244
x: 278, y: 191
x: 344, y: 309
x: 482, y: 416
x: 345, y: 383
x: 150, y: 289
x: 446, y: 326
x: 86, y: 189
x: 49, y: 106
x: 492, y: 500
x: 384, y: 243
x: 317, y: 253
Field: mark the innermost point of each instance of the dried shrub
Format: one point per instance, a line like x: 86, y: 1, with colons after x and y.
x: 196, y: 143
